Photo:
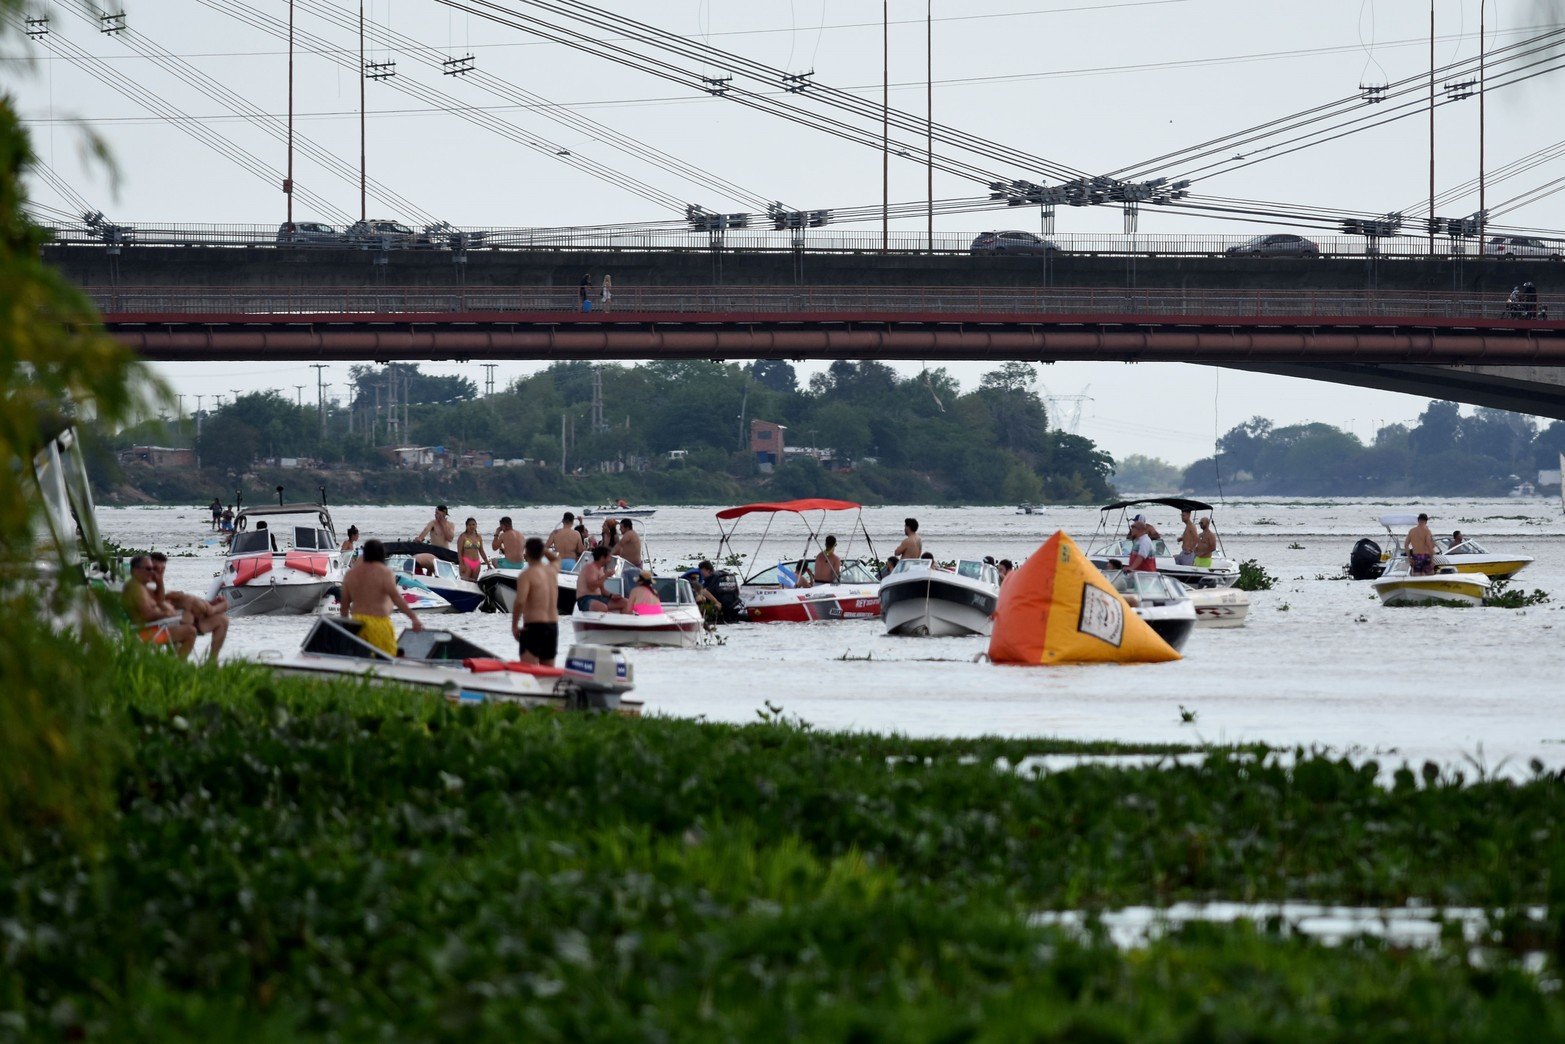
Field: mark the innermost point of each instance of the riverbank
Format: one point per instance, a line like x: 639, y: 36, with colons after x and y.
x: 293, y: 859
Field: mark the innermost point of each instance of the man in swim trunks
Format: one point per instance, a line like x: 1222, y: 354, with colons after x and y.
x: 369, y: 593
x: 1421, y: 548
x: 567, y: 541
x: 440, y: 531
x: 145, y: 611
x: 1205, y: 545
x: 508, y: 542
x: 1188, y: 538
x: 206, y: 617
x: 537, y: 603
x: 470, y: 548
x: 591, y: 596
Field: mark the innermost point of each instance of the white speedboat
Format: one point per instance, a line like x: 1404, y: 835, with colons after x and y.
x: 1220, y: 606
x: 1399, y: 586
x: 679, y: 623
x: 618, y: 512
x: 1160, y: 600
x: 593, y: 678
x: 775, y: 593
x: 282, y: 561
x: 446, y: 581
x: 568, y: 580
x: 921, y: 598
x: 1108, y: 550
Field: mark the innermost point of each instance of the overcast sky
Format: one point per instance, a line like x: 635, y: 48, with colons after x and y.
x: 1096, y: 86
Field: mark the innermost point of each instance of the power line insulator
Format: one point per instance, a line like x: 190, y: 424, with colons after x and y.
x: 111, y: 23
x: 458, y: 66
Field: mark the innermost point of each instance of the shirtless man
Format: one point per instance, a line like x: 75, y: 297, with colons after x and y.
x: 1187, y: 540
x: 1205, y: 544
x: 508, y: 543
x: 567, y: 541
x: 145, y: 611
x: 440, y: 531
x: 369, y: 593
x: 1421, y: 548
x: 537, y: 594
x: 591, y: 596
x: 827, y: 567
x: 206, y: 617
x: 912, y: 545
x: 629, y: 548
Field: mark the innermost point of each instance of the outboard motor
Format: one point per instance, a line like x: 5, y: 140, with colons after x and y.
x: 1364, y: 563
x: 725, y: 588
x: 596, y: 676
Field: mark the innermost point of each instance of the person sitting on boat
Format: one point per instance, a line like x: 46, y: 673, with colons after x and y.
x: 352, y: 543
x: 643, y: 600
x: 470, y: 549
x: 912, y: 544
x: 1457, y: 540
x: 891, y: 566
x: 369, y: 593
x: 827, y: 567
x: 206, y: 617
x: 1421, y: 548
x: 155, y: 622
x: 1143, y: 556
x: 567, y: 541
x: 1205, y: 545
x: 1187, y: 540
x: 1003, y: 567
x: 591, y: 593
x: 508, y: 543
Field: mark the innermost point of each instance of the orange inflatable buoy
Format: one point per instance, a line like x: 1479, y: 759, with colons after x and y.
x: 1056, y: 607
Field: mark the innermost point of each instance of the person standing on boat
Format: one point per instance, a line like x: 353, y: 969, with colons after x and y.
x: 827, y: 567
x: 370, y: 593
x: 508, y: 544
x: 629, y: 548
x: 217, y: 513
x: 567, y: 541
x: 470, y: 549
x: 610, y: 534
x: 1421, y: 548
x: 1143, y: 556
x: 1187, y: 540
x: 351, y: 544
x: 440, y: 531
x: 1205, y: 545
x: 912, y: 545
x: 535, y: 618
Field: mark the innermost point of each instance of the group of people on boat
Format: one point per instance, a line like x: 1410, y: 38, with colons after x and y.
x: 1197, y: 542
x: 567, y: 542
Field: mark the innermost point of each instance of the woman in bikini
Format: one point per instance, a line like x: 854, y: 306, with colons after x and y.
x: 470, y: 548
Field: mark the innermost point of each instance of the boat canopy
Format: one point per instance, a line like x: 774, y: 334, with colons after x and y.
x: 796, y: 506
x: 1398, y: 520
x: 1177, y: 503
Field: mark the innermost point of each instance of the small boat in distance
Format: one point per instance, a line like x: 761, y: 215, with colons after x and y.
x: 446, y: 581
x: 1220, y: 607
x: 619, y: 510
x: 1029, y: 509
x: 1109, y: 546
x: 920, y: 598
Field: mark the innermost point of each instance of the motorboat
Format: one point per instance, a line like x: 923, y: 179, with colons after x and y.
x: 1160, y: 600
x: 1220, y: 607
x: 1109, y: 550
x: 784, y: 592
x: 283, y: 560
x: 1368, y: 561
x: 1029, y: 509
x: 447, y: 580
x: 678, y: 623
x: 1399, y: 586
x: 593, y: 678
x: 622, y: 511
x: 569, y: 578
x: 921, y: 598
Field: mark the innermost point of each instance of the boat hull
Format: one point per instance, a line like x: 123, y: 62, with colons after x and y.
x: 673, y: 628
x: 937, y: 607
x: 1442, y: 588
x: 811, y: 604
x: 1222, y: 607
x: 281, y: 597
x: 1173, y: 623
x: 1495, y: 567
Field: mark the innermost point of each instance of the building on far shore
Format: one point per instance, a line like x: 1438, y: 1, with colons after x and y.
x: 159, y: 456
x: 766, y: 444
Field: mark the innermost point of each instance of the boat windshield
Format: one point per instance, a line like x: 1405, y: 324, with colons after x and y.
x: 257, y: 542
x: 405, y: 564
x: 786, y: 574
x: 309, y: 538
x: 1125, y: 546
x: 1466, y: 547
x: 1148, y: 586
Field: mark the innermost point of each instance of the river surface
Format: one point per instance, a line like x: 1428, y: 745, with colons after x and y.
x: 1319, y: 663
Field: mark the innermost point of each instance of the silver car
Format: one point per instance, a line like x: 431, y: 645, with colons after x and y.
x: 1012, y: 242
x: 1513, y: 247
x: 307, y: 232
x: 1280, y: 244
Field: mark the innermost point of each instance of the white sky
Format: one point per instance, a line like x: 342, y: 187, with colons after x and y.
x: 1096, y: 85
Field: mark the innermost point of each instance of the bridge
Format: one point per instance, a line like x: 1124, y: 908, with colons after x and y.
x: 1472, y: 348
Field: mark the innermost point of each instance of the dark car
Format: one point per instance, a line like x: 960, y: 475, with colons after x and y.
x: 309, y: 232
x: 1281, y: 244
x: 1011, y: 242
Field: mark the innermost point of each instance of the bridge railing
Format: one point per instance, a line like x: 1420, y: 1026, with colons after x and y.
x: 641, y: 301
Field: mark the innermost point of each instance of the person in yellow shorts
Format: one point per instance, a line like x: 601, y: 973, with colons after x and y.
x: 369, y: 593
x: 1205, y: 544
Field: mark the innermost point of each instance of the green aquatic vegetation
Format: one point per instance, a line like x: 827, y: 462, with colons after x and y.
x: 1187, y: 717
x: 1295, y: 546
x: 1254, y: 577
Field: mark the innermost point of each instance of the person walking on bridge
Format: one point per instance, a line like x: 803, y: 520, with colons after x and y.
x: 585, y: 292
x: 607, y: 292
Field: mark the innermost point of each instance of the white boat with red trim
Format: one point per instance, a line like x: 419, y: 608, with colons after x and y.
x: 785, y: 592
x: 282, y: 561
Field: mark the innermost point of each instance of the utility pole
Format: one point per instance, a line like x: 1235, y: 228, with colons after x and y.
x: 181, y: 398
x: 562, y: 443
x: 288, y: 181
x: 298, y: 395
x: 1483, y: 212
x: 1431, y: 128
x: 407, y: 394
x: 320, y: 394
x: 198, y: 416
x: 929, y: 109
x: 363, y: 210
x: 885, y: 125
x: 489, y: 369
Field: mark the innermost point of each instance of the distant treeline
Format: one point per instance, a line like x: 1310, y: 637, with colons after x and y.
x: 892, y: 439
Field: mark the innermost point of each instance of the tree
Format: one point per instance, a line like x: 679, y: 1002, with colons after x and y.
x: 775, y: 374
x: 1438, y: 430
x: 1141, y: 474
x: 1242, y: 443
x: 1010, y: 377
x: 227, y: 442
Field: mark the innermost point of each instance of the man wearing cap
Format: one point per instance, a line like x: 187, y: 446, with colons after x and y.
x: 1205, y: 544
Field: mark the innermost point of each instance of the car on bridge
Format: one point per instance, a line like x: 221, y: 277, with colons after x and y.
x: 307, y: 233
x: 1012, y: 242
x: 1513, y: 247
x: 1278, y: 244
x: 381, y: 232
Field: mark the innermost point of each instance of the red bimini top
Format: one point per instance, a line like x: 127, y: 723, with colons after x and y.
x: 796, y: 506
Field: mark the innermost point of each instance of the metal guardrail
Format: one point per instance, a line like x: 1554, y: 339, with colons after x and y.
x: 806, y: 300
x: 462, y: 241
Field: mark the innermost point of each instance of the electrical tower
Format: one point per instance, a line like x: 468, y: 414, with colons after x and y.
x: 598, y: 423
x: 489, y: 369
x: 1064, y: 411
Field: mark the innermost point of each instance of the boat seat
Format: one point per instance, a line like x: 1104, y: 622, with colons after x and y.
x: 488, y: 665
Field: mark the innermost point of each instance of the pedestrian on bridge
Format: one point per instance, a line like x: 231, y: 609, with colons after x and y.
x: 586, y: 292
x: 608, y: 292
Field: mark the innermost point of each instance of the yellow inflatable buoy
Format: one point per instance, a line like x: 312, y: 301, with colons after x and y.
x: 1057, y: 608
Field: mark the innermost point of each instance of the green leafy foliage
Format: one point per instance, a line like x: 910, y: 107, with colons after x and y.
x: 1254, y: 577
